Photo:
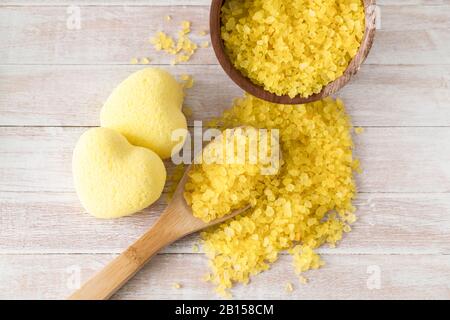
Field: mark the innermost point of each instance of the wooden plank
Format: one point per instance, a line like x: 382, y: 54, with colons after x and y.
x: 121, y: 2
x: 108, y: 35
x: 410, y: 95
x: 412, y: 34
x: 34, y: 222
x: 348, y: 276
x: 188, y: 2
x: 394, y: 159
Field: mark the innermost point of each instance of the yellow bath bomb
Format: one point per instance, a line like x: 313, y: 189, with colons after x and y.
x: 114, y: 178
x: 146, y: 109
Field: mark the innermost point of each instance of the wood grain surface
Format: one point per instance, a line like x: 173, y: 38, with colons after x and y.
x: 53, y: 82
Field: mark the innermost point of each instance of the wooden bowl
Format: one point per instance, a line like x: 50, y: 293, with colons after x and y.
x: 258, y: 91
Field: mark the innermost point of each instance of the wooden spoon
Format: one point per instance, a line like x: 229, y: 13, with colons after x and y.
x: 175, y: 222
x: 246, y: 84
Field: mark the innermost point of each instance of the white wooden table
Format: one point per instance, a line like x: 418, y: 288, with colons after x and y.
x: 53, y: 80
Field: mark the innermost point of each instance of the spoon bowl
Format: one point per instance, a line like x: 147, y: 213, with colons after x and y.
x: 258, y: 91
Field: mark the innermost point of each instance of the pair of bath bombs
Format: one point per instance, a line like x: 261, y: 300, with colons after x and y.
x: 117, y: 168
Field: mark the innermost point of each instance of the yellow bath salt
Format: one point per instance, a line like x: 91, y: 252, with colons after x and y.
x: 289, y: 287
x: 163, y: 42
x: 202, y: 33
x: 145, y: 61
x: 134, y: 61
x: 204, y: 44
x: 347, y: 228
x: 186, y: 26
x: 302, y: 280
x: 305, y: 258
x: 188, y: 81
x: 182, y: 48
x: 359, y: 130
x: 185, y: 77
x: 176, y: 285
x: 304, y: 206
x: 168, y: 18
x: 206, y: 277
x: 230, y: 176
x: 292, y: 47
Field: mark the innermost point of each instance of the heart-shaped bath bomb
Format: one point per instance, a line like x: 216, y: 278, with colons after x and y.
x: 146, y: 109
x: 114, y: 178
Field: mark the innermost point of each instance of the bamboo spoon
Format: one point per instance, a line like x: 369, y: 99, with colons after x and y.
x: 258, y: 91
x: 175, y: 222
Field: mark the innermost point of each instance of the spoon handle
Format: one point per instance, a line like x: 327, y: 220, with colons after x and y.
x: 106, y: 282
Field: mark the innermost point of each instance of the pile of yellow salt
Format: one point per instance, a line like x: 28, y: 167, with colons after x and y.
x: 232, y: 170
x: 307, y: 204
x: 292, y: 47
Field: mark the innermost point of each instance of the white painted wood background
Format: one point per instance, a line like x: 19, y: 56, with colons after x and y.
x: 52, y: 84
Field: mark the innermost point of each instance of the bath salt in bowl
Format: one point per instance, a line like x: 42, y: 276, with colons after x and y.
x: 292, y: 52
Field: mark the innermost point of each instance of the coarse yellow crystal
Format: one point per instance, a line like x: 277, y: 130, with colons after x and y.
x: 188, y: 81
x: 224, y: 182
x: 306, y: 205
x: 182, y: 48
x: 145, y: 61
x: 302, y: 280
x: 176, y: 285
x: 292, y: 47
x: 289, y: 287
x: 359, y: 130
